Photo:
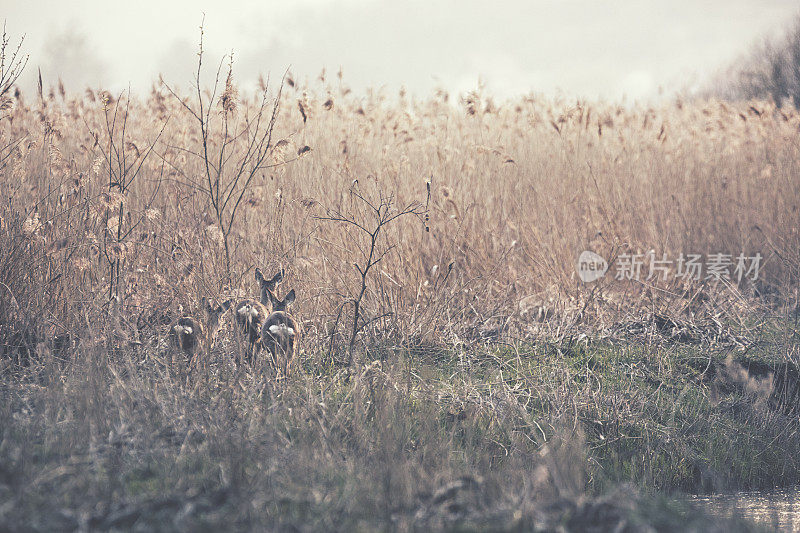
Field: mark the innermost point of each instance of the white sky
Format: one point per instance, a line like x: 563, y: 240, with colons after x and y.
x: 591, y: 48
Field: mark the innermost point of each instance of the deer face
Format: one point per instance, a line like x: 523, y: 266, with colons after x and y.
x: 268, y: 286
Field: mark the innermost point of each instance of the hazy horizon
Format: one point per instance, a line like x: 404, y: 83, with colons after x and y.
x: 611, y: 50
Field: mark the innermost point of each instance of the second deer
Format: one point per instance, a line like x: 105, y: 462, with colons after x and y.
x: 280, y: 334
x: 251, y: 314
x: 192, y: 336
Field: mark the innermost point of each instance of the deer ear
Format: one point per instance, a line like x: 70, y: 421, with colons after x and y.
x: 277, y: 278
x: 259, y: 275
x: 289, y: 297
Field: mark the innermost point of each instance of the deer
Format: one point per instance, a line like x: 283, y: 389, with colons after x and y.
x: 251, y: 314
x: 192, y: 336
x: 281, y: 333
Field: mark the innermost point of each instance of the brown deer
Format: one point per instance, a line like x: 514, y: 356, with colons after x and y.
x: 281, y: 333
x: 251, y: 314
x: 193, y: 336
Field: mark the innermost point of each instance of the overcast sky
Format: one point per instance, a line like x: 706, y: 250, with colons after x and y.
x: 591, y: 48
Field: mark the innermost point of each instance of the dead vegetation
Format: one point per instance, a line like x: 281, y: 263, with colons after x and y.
x: 448, y: 345
x: 139, y: 199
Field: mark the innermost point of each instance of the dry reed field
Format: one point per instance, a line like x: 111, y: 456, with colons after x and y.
x: 504, y: 198
x: 453, y: 370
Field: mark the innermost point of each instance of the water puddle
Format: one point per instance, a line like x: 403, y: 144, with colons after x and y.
x: 778, y: 508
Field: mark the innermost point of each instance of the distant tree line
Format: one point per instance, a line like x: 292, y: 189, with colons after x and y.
x: 772, y: 71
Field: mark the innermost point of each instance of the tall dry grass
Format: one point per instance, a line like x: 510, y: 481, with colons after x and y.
x: 109, y: 231
x: 512, y: 193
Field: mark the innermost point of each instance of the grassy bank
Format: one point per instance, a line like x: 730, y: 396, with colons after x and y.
x: 531, y: 434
